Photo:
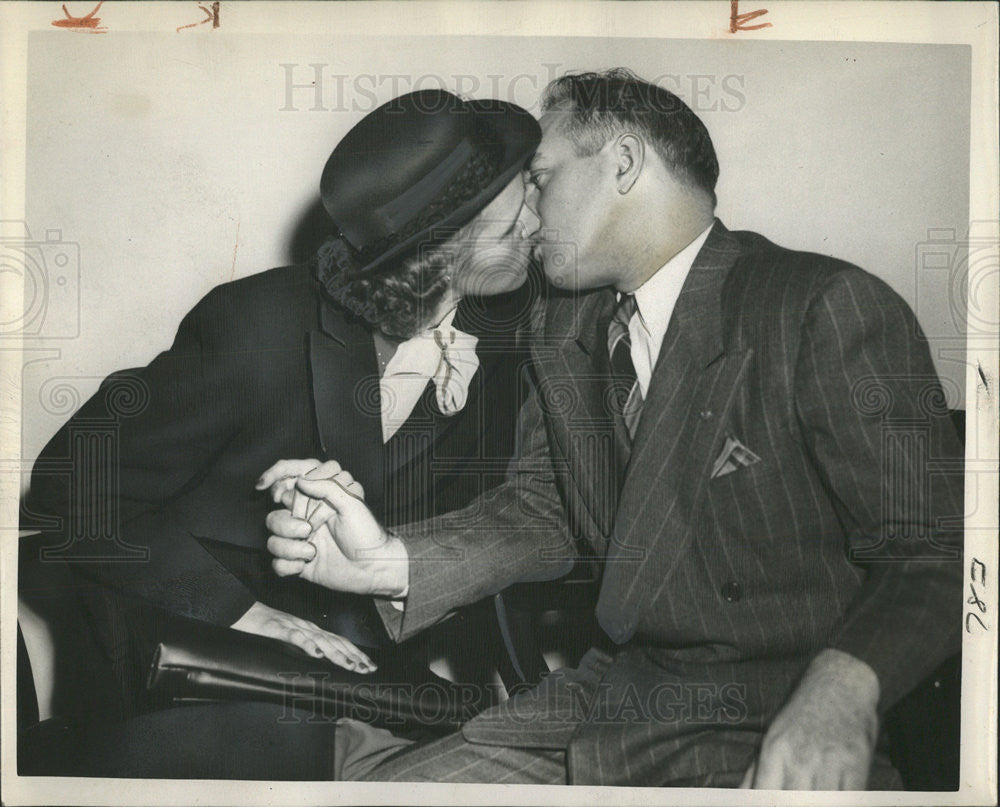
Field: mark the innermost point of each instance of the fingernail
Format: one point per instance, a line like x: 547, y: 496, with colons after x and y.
x: 259, y: 483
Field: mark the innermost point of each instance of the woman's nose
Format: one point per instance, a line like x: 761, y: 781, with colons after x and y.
x: 528, y: 218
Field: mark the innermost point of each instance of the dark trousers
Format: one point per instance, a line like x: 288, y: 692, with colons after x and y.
x: 258, y: 741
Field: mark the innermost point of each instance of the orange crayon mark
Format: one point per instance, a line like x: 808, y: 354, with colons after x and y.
x: 211, y: 16
x: 738, y: 22
x: 89, y: 24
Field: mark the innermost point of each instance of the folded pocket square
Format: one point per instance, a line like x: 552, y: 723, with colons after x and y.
x: 734, y: 455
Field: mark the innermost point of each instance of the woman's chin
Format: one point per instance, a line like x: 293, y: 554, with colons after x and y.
x: 502, y: 281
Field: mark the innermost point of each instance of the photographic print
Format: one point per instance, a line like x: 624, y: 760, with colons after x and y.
x: 407, y: 399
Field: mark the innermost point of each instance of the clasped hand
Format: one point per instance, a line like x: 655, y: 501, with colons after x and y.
x: 326, y: 534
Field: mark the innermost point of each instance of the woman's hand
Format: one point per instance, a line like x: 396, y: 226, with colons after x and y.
x: 266, y: 621
x: 281, y: 478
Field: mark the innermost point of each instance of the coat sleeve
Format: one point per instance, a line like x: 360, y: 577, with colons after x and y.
x: 167, y: 422
x: 875, y: 422
x: 516, y: 532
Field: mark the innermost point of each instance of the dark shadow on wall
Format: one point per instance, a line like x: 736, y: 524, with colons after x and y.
x: 312, y: 229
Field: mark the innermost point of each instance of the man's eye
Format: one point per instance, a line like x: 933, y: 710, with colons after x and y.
x: 535, y: 179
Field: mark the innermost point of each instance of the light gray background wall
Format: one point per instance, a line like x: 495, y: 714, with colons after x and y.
x: 177, y: 163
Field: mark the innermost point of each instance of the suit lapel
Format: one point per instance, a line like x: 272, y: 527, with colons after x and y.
x: 346, y: 398
x: 571, y: 357
x: 414, y: 437
x: 693, y: 387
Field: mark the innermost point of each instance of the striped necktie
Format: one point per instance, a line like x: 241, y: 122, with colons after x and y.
x: 626, y: 397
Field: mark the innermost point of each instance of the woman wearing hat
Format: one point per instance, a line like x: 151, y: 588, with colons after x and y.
x: 383, y: 355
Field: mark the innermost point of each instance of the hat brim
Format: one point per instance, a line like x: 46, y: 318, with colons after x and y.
x: 519, y: 134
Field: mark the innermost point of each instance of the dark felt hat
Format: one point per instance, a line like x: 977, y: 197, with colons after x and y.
x: 420, y: 165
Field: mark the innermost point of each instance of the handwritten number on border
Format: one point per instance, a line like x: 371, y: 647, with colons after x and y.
x: 977, y: 573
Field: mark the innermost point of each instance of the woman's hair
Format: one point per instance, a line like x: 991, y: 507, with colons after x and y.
x: 397, y: 300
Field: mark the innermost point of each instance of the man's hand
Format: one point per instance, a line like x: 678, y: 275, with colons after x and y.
x: 266, y: 621
x: 824, y: 737
x: 341, y: 545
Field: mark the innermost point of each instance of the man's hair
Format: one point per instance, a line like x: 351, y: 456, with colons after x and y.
x: 397, y: 299
x: 606, y: 104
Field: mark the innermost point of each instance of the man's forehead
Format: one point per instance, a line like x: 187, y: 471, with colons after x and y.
x: 554, y: 140
x: 552, y: 120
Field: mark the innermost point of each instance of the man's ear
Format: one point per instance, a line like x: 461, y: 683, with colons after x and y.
x: 630, y: 153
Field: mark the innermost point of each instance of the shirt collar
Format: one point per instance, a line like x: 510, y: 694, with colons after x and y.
x: 657, y: 297
x: 419, y: 355
x: 423, y: 358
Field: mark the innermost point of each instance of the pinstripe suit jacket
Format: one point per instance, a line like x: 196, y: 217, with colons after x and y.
x: 718, y: 590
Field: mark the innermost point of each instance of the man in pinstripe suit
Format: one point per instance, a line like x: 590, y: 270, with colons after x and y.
x: 736, y: 437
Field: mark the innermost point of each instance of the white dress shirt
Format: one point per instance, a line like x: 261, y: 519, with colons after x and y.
x: 655, y: 300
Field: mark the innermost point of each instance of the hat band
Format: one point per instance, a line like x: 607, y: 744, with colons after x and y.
x: 470, y: 181
x: 392, y: 217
